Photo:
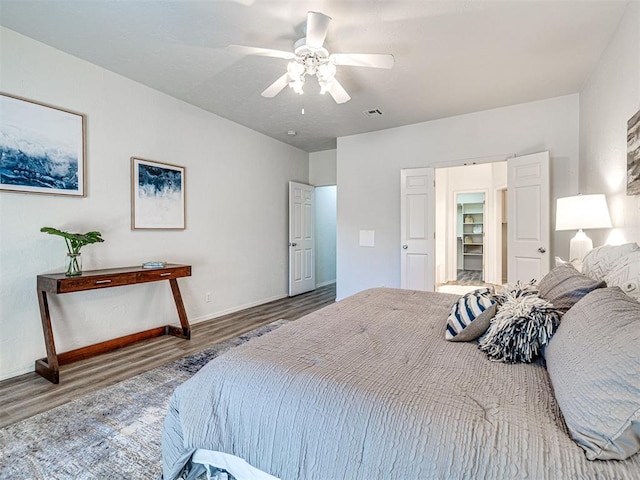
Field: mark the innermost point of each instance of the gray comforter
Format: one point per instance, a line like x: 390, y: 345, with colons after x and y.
x: 369, y: 389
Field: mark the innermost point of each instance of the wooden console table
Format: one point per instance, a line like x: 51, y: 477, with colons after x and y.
x: 57, y: 283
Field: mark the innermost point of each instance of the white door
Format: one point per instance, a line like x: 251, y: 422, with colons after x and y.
x: 528, y: 217
x: 417, y: 228
x: 301, y: 239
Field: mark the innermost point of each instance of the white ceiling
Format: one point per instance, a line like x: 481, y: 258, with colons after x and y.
x: 452, y: 57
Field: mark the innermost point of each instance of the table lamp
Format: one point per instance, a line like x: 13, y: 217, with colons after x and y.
x: 582, y: 212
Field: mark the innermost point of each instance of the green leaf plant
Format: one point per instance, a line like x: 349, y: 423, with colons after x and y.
x: 75, y: 241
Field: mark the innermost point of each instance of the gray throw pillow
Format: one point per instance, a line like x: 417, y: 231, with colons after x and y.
x: 593, y: 361
x: 564, y: 286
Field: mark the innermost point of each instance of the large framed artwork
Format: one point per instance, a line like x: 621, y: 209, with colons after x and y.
x: 42, y: 148
x: 157, y: 196
x: 633, y: 155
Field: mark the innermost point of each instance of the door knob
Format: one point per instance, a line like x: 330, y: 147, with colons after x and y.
x: 405, y: 246
x: 293, y: 244
x: 542, y: 250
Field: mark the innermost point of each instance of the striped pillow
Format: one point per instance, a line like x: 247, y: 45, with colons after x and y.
x: 470, y: 316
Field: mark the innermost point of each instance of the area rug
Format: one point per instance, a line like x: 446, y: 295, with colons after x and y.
x: 114, y: 433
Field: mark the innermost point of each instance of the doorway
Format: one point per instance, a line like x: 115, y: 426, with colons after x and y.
x: 312, y: 237
x: 470, y: 236
x: 325, y: 221
x: 470, y: 220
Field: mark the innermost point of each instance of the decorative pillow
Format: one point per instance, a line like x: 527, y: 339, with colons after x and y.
x: 598, y: 262
x: 517, y: 289
x: 521, y: 328
x: 593, y: 361
x: 625, y: 273
x: 470, y: 316
x: 575, y: 262
x: 563, y: 286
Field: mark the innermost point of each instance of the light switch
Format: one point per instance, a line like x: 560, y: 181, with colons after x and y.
x: 367, y: 238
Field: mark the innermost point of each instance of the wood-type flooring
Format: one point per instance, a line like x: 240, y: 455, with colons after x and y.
x: 27, y: 395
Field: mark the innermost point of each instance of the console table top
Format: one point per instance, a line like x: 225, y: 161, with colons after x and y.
x: 110, y: 271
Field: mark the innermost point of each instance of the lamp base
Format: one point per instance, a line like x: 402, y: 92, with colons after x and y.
x: 580, y: 245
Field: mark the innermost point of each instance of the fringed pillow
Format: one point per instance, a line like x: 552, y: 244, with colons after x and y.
x: 522, y: 327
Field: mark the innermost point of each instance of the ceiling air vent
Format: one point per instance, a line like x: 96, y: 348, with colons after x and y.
x: 374, y: 112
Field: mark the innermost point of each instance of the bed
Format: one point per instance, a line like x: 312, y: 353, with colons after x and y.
x: 368, y: 388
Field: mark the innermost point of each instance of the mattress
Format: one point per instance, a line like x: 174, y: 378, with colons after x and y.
x: 368, y: 388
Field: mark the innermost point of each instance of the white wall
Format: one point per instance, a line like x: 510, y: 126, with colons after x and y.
x: 608, y: 100
x: 369, y: 175
x: 236, y: 197
x: 325, y: 220
x: 322, y: 168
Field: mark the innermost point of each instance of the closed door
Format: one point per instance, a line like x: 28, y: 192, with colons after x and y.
x: 528, y: 217
x: 417, y: 228
x: 301, y: 239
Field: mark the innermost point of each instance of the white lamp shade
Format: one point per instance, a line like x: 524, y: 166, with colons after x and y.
x: 582, y: 212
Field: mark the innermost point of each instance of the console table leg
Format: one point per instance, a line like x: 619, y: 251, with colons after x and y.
x: 48, y: 367
x: 185, y: 332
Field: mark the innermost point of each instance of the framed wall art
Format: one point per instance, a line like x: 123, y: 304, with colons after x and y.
x: 157, y: 196
x: 42, y: 148
x: 633, y: 155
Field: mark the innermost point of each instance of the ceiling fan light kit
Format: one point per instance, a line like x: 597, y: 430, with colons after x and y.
x: 311, y: 58
x: 311, y: 61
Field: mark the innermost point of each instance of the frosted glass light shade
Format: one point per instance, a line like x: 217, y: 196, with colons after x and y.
x: 582, y: 212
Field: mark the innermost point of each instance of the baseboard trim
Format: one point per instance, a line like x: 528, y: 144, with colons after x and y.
x: 324, y: 284
x: 221, y: 313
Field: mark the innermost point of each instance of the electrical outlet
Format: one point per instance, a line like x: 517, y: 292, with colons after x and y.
x: 207, y: 297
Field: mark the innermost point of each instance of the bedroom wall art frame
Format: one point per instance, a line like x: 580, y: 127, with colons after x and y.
x: 157, y: 195
x: 42, y: 148
x: 633, y: 155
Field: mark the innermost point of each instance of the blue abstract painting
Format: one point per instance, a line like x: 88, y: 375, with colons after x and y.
x: 158, y: 195
x: 41, y: 148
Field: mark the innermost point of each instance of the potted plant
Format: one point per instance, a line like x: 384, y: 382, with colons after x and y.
x: 74, y: 241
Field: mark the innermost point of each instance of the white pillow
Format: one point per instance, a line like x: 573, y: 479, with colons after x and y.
x: 625, y: 274
x: 599, y: 261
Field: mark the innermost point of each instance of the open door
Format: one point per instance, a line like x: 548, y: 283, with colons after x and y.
x: 528, y: 217
x: 417, y: 228
x: 301, y: 239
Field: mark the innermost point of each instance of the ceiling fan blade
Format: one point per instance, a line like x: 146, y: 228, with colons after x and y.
x: 317, y: 27
x: 263, y: 52
x: 276, y: 87
x: 374, y: 60
x: 338, y: 93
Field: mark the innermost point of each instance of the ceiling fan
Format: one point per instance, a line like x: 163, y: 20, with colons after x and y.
x: 309, y: 57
